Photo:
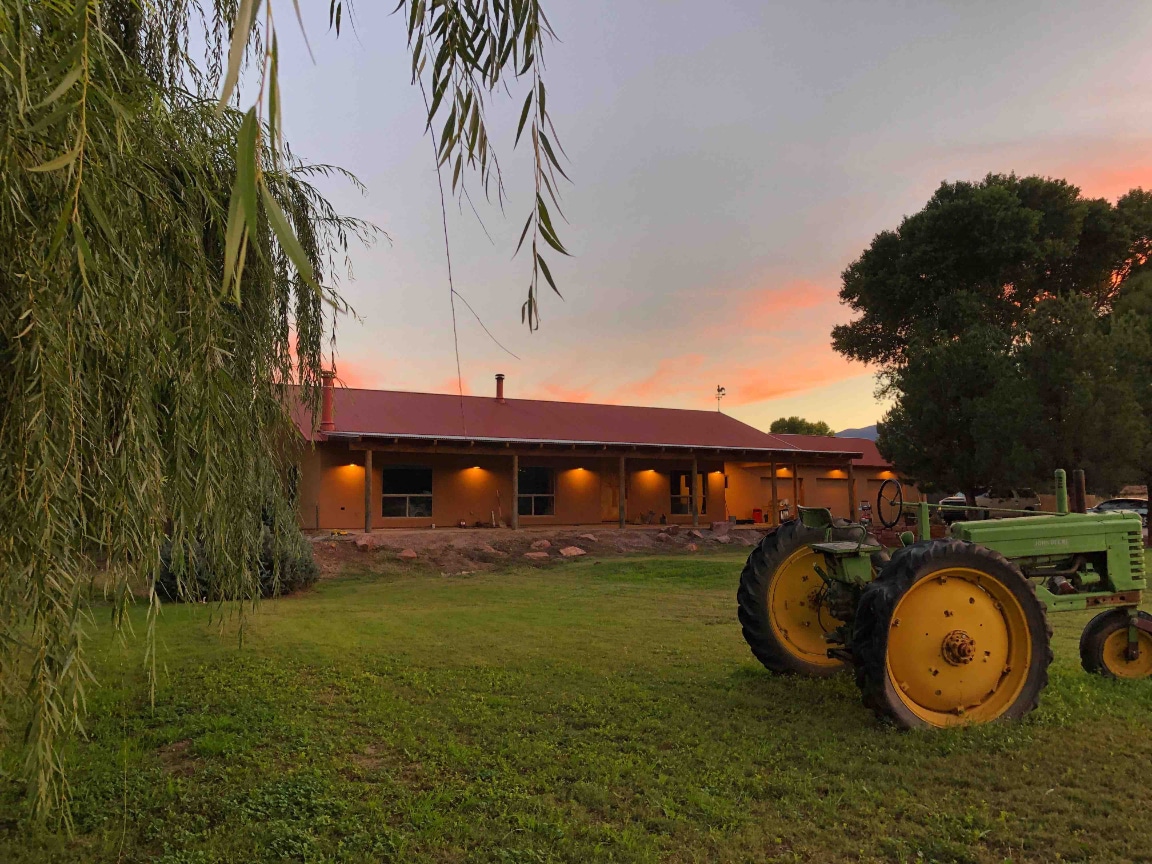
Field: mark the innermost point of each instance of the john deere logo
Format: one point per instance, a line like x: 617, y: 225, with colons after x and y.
x: 1059, y: 541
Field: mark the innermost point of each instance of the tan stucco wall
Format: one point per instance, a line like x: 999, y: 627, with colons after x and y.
x: 750, y: 485
x: 474, y: 488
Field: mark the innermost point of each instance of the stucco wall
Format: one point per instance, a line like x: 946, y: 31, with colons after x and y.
x: 476, y: 488
x: 750, y: 485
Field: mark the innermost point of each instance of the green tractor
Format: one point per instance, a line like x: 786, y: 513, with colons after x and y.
x: 952, y: 630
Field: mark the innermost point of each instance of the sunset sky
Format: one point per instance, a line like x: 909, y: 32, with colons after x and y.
x: 729, y: 160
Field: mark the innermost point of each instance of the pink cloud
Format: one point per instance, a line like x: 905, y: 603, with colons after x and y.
x: 453, y: 385
x: 561, y: 393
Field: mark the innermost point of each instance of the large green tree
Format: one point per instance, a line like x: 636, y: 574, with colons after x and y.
x: 164, y: 275
x: 800, y: 426
x: 989, y: 313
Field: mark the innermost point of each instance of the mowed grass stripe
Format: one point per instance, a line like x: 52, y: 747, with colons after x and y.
x: 595, y: 711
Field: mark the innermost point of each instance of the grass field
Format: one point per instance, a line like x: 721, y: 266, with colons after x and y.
x: 595, y: 711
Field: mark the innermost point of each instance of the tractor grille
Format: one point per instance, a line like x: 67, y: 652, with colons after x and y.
x: 1136, y: 545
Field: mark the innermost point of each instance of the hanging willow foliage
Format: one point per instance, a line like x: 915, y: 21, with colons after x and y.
x: 165, y: 267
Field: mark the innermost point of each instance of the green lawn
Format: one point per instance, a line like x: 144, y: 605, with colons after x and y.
x: 595, y: 711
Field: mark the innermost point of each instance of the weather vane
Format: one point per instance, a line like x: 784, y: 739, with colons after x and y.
x: 720, y: 394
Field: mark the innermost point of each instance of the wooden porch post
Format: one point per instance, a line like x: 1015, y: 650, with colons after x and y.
x: 623, y: 493
x: 851, y: 494
x: 796, y: 489
x: 775, y: 517
x: 367, y: 491
x: 693, y: 498
x: 515, y: 521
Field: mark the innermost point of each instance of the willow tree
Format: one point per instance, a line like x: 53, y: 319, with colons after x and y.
x: 166, y: 267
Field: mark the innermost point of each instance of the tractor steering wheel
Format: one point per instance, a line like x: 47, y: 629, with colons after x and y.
x: 890, y: 503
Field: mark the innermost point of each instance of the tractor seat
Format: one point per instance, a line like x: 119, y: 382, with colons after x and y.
x: 846, y: 547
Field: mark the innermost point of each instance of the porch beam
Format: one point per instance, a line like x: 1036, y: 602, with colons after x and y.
x: 796, y: 490
x: 623, y: 493
x: 774, y: 519
x: 515, y: 519
x: 693, y: 497
x: 367, y: 491
x: 851, y: 494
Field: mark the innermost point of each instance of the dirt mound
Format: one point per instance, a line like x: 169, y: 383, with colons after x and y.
x: 454, y: 551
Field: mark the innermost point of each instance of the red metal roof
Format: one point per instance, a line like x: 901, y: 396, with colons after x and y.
x: 399, y: 414
x: 871, y: 457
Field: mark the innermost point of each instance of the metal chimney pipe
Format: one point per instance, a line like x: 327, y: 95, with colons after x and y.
x: 500, y: 387
x: 327, y: 412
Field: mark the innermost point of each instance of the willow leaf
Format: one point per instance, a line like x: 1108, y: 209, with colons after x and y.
x: 63, y: 87
x: 61, y: 161
x: 241, y: 30
x: 288, y: 240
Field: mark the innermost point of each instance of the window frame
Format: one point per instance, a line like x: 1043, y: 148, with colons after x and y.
x: 545, y: 501
x: 407, y: 497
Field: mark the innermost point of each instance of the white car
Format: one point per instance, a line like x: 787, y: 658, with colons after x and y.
x: 993, y: 503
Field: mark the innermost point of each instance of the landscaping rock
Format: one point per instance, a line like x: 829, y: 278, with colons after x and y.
x: 541, y: 544
x: 572, y: 551
x: 664, y: 538
x: 697, y: 534
x: 489, y: 549
x: 673, y: 530
x: 367, y: 542
x: 721, y: 529
x: 725, y: 539
x: 408, y: 554
x: 536, y: 554
x: 591, y: 538
x: 691, y: 547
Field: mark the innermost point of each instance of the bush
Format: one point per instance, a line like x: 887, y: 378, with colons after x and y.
x: 283, y: 568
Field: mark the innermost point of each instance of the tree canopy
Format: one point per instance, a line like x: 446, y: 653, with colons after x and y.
x: 1008, y: 319
x: 800, y: 426
x: 166, y: 271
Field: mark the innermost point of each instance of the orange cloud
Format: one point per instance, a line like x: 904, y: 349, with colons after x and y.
x: 782, y: 300
x: 807, y: 370
x: 691, y: 379
x: 669, y: 379
x: 356, y: 375
x: 1111, y: 181
x: 453, y: 385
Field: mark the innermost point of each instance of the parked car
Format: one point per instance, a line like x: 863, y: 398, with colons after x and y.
x: 1112, y: 505
x: 992, y: 503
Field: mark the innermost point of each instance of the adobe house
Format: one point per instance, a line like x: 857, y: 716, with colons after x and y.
x: 391, y: 459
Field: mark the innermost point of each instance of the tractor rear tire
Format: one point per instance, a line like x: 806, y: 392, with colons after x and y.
x: 950, y: 633
x: 1103, y: 646
x: 778, y: 601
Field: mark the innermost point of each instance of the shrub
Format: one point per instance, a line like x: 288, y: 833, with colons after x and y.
x: 284, y: 568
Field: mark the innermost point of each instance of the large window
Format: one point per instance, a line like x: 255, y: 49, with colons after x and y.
x: 407, y: 491
x: 537, y: 492
x: 681, y: 484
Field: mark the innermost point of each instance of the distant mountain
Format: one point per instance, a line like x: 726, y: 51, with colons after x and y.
x: 868, y: 432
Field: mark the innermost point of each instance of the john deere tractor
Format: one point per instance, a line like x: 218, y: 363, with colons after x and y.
x: 951, y: 630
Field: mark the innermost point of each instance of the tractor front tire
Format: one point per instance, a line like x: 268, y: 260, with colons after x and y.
x: 780, y: 600
x: 1104, y: 646
x: 950, y: 633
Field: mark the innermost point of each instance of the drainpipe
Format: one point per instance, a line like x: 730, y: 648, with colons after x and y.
x: 500, y: 387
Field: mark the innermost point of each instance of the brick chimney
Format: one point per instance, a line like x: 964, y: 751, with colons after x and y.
x: 500, y: 387
x: 327, y: 412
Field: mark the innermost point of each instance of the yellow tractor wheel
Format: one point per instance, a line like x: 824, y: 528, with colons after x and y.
x: 950, y: 633
x: 1104, y: 646
x: 781, y: 601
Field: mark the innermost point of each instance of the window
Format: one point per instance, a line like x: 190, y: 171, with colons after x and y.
x: 537, y: 492
x: 407, y: 491
x: 681, y: 483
